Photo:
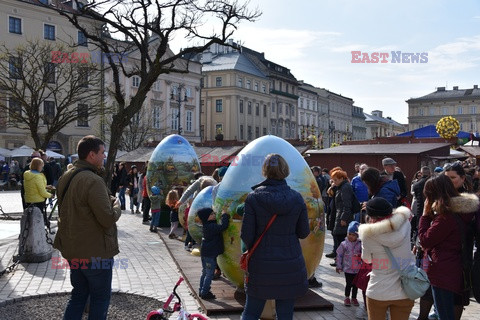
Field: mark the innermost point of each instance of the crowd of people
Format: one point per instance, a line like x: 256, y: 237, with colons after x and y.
x: 369, y: 216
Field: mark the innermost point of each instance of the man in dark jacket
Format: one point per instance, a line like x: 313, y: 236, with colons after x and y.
x: 212, y: 246
x: 389, y: 165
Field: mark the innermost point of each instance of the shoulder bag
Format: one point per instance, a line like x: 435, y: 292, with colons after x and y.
x: 414, y: 280
x: 245, y: 257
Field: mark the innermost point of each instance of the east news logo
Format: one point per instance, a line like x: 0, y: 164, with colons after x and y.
x: 394, y: 56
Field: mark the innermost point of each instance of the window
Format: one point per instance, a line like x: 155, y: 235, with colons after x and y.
x: 48, y: 32
x: 15, y: 108
x: 189, y: 120
x: 273, y: 107
x: 308, y: 104
x: 292, y: 111
x: 264, y: 110
x: 218, y: 81
x: 255, y: 87
x: 49, y: 72
x: 82, y: 115
x: 257, y: 109
x: 83, y: 77
x: 15, y: 25
x: 264, y: 88
x: 218, y: 128
x: 473, y: 109
x: 249, y: 133
x: 15, y: 68
x: 249, y: 108
x: 286, y: 109
x: 301, y: 103
x: 241, y: 132
x: 420, y: 111
x: 48, y: 111
x: 218, y: 105
x: 445, y: 111
x: 460, y: 110
x: 264, y: 131
x: 82, y: 40
x: 156, y: 116
x: 240, y: 82
x: 188, y: 92
x: 202, y: 106
x: 248, y: 84
x: 240, y: 106
x: 431, y: 111
x: 202, y: 83
x: 279, y: 108
x: 174, y: 90
x: 257, y: 132
x: 135, y: 81
x: 156, y: 86
x: 174, y: 119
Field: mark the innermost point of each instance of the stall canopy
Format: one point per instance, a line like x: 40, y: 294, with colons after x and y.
x: 5, y: 153
x: 430, y: 132
x: 55, y: 155
x: 23, y: 151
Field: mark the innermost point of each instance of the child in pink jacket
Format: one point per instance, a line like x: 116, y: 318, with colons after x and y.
x: 349, y: 260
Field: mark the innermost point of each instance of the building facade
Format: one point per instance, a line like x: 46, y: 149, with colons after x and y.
x: 308, y: 120
x: 359, y: 125
x: 378, y: 126
x: 462, y: 104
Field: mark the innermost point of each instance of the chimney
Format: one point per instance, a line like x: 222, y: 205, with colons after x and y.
x: 440, y: 88
x: 455, y: 88
x: 377, y: 113
x: 206, y: 57
x: 475, y: 86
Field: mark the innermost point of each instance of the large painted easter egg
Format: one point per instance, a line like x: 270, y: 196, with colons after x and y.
x: 246, y: 171
x: 173, y: 163
x: 202, y: 200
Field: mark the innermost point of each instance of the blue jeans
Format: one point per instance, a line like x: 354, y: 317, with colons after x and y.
x: 96, y: 283
x: 254, y: 307
x: 155, y: 219
x: 208, y: 268
x: 444, y: 303
x: 121, y: 197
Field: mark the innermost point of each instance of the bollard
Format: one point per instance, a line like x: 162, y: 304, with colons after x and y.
x: 33, y: 238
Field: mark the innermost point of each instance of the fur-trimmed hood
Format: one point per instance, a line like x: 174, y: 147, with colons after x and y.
x: 394, y: 223
x: 465, y: 203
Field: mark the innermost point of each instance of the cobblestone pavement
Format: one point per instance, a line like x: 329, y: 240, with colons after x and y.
x: 151, y: 270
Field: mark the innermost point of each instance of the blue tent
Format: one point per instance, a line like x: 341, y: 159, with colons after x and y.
x: 430, y: 132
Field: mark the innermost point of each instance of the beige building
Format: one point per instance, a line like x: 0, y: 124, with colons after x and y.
x: 236, y: 100
x: 26, y: 20
x: 462, y: 104
x: 308, y: 119
x: 358, y: 124
x: 378, y: 126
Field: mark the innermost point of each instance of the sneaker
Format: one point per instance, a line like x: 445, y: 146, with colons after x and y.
x: 333, y: 264
x: 313, y: 283
x: 355, y: 302
x: 332, y: 255
x: 347, y: 302
x: 137, y: 211
x: 172, y: 236
x: 133, y: 212
x: 208, y: 296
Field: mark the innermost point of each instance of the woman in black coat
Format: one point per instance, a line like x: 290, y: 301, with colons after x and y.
x: 277, y: 267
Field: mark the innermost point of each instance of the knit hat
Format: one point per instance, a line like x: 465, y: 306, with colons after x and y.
x: 155, y: 190
x: 438, y: 169
x: 378, y: 207
x: 388, y: 161
x: 222, y: 171
x: 353, y: 227
x: 204, y: 213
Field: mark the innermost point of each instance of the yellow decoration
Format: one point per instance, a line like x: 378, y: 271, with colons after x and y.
x: 448, y: 127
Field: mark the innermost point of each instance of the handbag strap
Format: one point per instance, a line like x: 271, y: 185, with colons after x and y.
x: 392, y: 258
x: 255, y: 245
x: 70, y: 180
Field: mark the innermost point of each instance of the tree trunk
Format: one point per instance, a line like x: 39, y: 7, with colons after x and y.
x: 115, y: 137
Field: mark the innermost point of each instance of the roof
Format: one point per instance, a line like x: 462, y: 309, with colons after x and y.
x: 232, y: 61
x: 371, y: 117
x: 474, y: 151
x: 430, y: 132
x: 204, y: 154
x: 382, y: 149
x: 442, y: 94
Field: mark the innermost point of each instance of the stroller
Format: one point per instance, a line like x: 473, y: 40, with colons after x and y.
x: 165, y: 312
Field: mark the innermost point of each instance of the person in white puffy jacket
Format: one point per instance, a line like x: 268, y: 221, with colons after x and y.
x: 389, y: 228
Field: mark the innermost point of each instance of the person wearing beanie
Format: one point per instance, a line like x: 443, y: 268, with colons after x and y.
x: 392, y: 172
x: 390, y: 228
x: 212, y: 246
x: 349, y: 261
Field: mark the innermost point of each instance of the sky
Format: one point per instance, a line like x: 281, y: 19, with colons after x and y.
x: 315, y: 40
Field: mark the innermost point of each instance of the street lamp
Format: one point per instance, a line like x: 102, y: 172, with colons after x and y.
x: 331, y: 127
x: 179, y: 100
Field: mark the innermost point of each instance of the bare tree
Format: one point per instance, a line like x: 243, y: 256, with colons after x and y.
x: 146, y: 28
x: 41, y: 94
